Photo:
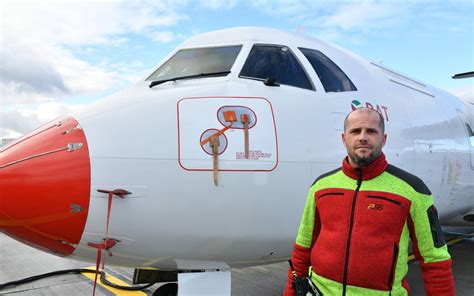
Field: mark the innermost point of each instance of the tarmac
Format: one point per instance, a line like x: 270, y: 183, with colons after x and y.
x: 18, y: 261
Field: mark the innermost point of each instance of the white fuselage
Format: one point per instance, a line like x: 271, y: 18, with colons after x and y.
x: 146, y: 140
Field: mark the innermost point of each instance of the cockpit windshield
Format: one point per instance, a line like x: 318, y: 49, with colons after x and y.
x: 194, y: 62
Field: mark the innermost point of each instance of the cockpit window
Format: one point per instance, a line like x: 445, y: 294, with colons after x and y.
x: 197, y: 61
x: 277, y: 63
x: 331, y: 76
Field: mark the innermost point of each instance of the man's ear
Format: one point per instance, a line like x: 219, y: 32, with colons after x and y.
x: 343, y: 137
x: 384, y: 139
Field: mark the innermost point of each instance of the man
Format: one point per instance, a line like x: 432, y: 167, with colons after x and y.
x: 358, y: 219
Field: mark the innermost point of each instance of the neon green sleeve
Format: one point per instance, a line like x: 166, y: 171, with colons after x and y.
x: 429, y: 237
x: 305, y: 232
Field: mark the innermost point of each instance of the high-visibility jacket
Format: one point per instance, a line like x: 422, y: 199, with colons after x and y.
x: 355, y: 230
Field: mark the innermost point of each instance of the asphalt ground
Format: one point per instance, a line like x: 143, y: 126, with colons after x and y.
x: 19, y: 261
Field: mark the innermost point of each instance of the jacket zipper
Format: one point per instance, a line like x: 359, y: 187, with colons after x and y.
x: 349, y: 237
x: 392, y: 268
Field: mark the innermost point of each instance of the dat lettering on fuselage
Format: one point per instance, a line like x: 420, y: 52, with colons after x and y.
x: 356, y: 104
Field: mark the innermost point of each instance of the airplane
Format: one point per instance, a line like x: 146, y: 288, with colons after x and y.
x: 204, y: 165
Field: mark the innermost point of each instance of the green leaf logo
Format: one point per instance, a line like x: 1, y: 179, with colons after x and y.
x: 355, y: 105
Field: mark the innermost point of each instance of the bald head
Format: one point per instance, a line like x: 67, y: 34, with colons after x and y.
x: 368, y: 111
x: 363, y: 136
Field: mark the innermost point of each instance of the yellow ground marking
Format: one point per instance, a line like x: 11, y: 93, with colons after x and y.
x: 113, y: 280
x: 450, y: 242
x: 454, y: 241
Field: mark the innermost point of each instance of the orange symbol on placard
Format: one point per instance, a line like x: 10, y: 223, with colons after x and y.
x: 229, y: 116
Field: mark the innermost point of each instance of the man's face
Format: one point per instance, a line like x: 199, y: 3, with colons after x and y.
x: 363, y: 137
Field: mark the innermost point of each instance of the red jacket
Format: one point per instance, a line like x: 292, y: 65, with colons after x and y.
x: 356, y: 228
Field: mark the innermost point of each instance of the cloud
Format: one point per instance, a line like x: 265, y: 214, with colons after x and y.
x: 292, y: 9
x: 39, y: 41
x: 88, y: 22
x: 352, y: 21
x: 218, y: 4
x: 53, y: 50
x: 337, y: 20
x: 38, y: 72
x: 45, y: 72
x: 363, y: 16
x: 165, y: 36
x: 131, y: 72
x: 49, y: 52
x: 28, y: 71
x: 80, y: 76
x: 14, y: 123
x: 360, y: 20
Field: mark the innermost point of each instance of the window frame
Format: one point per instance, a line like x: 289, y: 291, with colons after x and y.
x: 235, y: 62
x: 305, y: 72
x: 334, y: 63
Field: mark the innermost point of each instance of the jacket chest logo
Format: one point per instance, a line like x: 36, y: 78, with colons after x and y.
x: 373, y: 206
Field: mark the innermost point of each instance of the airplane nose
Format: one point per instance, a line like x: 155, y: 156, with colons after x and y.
x: 45, y: 187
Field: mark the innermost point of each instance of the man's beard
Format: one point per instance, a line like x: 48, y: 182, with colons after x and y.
x: 365, y: 160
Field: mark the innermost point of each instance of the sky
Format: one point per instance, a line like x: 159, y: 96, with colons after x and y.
x: 58, y: 56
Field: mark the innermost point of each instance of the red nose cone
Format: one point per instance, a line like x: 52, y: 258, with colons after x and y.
x: 45, y: 187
